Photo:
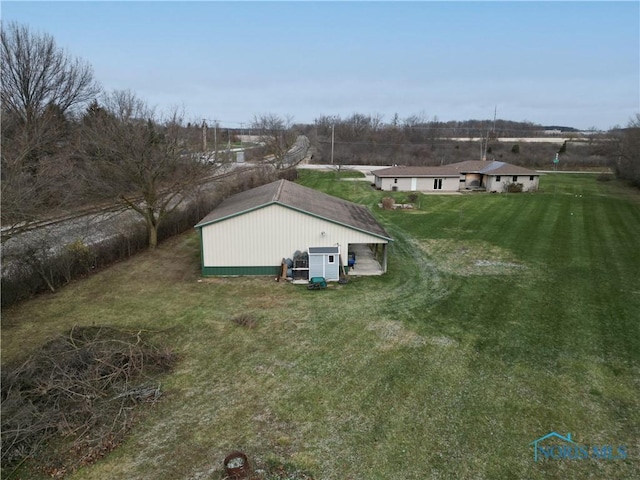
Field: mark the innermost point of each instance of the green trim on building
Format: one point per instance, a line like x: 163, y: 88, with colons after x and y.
x: 236, y: 271
x: 201, y: 249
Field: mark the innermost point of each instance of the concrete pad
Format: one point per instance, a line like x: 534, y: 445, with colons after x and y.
x: 366, y: 264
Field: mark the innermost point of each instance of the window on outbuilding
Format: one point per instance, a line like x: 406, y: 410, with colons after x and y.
x: 332, y: 259
x: 395, y: 180
x: 515, y: 178
x: 531, y: 178
x: 497, y: 178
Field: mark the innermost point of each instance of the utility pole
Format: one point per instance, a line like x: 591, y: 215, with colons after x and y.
x: 495, y: 111
x: 204, y: 136
x: 486, y: 145
x: 332, y: 141
x: 215, y: 140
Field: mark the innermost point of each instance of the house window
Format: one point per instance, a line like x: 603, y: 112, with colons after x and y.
x: 437, y: 184
x: 531, y: 178
x: 332, y: 259
x: 395, y: 180
x: 497, y: 178
x: 514, y: 178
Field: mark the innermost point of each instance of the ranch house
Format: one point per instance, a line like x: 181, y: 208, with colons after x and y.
x: 490, y: 176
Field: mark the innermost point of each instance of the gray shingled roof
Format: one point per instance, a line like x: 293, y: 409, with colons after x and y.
x: 455, y: 169
x: 300, y: 198
x: 492, y: 168
x: 407, y: 171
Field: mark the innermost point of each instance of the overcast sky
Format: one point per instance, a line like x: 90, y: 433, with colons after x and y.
x: 554, y: 63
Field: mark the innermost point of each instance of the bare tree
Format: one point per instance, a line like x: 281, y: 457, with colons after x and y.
x: 41, y: 87
x: 626, y: 152
x: 324, y: 123
x: 33, y: 192
x: 36, y: 74
x: 277, y: 136
x: 138, y: 159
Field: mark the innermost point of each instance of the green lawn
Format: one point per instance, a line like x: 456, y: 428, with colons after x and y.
x: 502, y: 318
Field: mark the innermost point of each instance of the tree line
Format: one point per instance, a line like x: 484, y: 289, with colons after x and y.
x: 419, y: 140
x: 624, y: 152
x: 66, y: 142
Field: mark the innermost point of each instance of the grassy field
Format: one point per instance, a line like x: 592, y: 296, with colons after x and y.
x: 502, y: 318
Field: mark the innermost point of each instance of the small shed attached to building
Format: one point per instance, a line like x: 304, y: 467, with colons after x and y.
x: 323, y: 262
x: 251, y: 233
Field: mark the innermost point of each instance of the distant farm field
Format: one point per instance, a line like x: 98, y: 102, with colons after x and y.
x: 502, y: 318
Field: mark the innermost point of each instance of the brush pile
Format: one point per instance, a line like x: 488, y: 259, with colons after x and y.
x: 73, y: 401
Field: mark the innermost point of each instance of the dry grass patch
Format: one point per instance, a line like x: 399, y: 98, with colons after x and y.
x: 393, y: 334
x: 467, y: 258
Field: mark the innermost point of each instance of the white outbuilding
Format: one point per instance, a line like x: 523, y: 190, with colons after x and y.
x: 252, y: 232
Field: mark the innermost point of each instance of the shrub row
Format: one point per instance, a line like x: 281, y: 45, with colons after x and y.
x: 44, y: 266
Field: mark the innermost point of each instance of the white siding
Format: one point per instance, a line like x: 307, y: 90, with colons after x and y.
x: 529, y: 185
x: 402, y: 184
x: 499, y: 186
x: 449, y: 184
x: 420, y: 184
x: 267, y: 235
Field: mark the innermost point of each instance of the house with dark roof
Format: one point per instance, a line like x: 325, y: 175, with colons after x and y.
x: 254, y: 232
x: 490, y: 176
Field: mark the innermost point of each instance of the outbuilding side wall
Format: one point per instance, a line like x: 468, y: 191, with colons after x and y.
x: 254, y: 243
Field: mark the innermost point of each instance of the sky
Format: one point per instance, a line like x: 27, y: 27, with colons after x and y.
x: 572, y: 63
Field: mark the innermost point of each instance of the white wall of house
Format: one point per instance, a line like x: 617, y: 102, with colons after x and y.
x: 401, y: 184
x: 420, y: 184
x: 497, y: 183
x: 449, y: 184
x: 265, y: 236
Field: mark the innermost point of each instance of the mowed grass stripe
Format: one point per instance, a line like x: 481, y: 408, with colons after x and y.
x: 545, y: 322
x: 614, y: 275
